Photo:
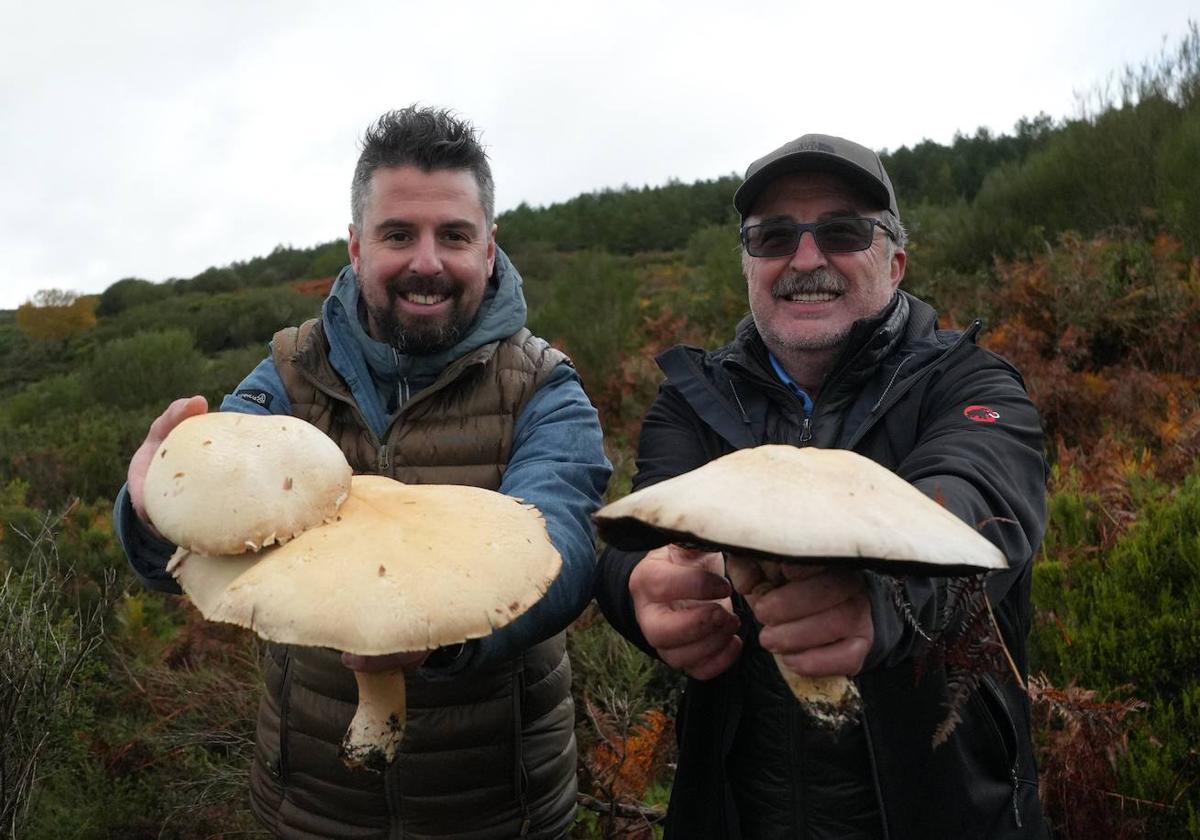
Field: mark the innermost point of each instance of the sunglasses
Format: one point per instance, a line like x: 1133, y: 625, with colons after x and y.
x: 835, y: 236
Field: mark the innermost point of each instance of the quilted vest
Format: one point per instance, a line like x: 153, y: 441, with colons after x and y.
x: 489, y: 754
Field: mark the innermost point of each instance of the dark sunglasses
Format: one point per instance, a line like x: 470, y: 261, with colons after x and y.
x: 835, y: 236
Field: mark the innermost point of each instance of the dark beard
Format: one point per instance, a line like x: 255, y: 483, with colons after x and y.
x: 424, y: 337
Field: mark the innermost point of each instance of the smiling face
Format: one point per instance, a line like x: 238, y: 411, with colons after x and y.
x: 807, y: 302
x: 423, y: 256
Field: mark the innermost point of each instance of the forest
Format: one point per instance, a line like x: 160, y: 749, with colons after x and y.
x: 1076, y: 241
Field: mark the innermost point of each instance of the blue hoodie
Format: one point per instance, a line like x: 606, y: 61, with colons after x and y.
x: 557, y: 462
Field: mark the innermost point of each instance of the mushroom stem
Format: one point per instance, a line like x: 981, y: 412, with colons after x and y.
x: 832, y: 702
x: 378, y: 725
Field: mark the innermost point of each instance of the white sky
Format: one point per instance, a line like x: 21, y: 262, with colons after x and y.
x: 151, y: 140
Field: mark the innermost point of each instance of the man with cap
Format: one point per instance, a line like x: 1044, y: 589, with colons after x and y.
x: 835, y: 355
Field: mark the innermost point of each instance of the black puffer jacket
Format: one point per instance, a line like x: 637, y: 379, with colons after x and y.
x: 954, y: 420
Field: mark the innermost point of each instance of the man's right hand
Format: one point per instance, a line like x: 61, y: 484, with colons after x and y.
x: 682, y: 602
x: 175, y: 414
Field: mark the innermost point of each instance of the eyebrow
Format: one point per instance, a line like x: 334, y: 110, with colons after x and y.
x: 449, y: 224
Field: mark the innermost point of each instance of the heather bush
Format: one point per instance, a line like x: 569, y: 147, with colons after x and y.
x: 1132, y: 618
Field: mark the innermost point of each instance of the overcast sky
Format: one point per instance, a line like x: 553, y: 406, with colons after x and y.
x: 150, y: 140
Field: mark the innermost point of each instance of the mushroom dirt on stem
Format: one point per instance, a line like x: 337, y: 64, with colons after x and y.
x: 784, y: 504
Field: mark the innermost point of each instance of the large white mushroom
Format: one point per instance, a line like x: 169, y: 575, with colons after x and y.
x: 784, y: 504
x: 366, y: 565
x: 225, y: 483
x: 402, y: 568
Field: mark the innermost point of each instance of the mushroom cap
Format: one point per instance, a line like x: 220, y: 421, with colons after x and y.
x: 225, y: 483
x: 820, y: 506
x: 403, y: 568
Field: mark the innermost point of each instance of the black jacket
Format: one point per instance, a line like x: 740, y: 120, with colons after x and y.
x: 954, y: 420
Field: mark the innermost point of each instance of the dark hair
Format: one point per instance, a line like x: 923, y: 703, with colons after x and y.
x: 428, y: 138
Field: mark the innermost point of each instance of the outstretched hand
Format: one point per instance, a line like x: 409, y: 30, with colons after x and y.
x: 682, y: 602
x: 816, y: 618
x: 175, y: 414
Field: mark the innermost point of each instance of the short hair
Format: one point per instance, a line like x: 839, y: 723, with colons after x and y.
x: 898, y: 230
x: 427, y: 138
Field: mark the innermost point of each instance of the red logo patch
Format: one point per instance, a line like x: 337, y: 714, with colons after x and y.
x: 981, y: 414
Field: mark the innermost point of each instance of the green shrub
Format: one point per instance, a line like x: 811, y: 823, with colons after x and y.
x: 1132, y: 617
x: 152, y: 368
x: 48, y: 646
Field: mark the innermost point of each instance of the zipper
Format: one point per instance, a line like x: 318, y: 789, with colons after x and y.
x: 1015, y: 767
x: 394, y: 796
x: 806, y: 429
x: 279, y: 771
x: 883, y: 823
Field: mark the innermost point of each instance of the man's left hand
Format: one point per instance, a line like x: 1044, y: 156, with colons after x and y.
x: 818, y: 619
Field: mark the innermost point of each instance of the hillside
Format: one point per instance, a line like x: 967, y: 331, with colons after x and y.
x: 1077, y: 242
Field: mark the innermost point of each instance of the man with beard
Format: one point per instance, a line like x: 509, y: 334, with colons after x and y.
x: 834, y: 355
x: 421, y: 368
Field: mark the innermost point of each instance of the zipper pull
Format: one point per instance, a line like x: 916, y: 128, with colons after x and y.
x: 806, y: 430
x: 385, y: 461
x: 1015, y: 783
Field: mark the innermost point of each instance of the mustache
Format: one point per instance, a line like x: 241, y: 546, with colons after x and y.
x: 421, y: 285
x: 822, y: 280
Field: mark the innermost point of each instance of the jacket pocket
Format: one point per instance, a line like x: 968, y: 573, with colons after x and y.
x: 1004, y: 730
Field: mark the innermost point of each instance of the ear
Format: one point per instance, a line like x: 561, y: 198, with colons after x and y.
x: 491, y: 250
x: 899, y: 261
x: 354, y: 247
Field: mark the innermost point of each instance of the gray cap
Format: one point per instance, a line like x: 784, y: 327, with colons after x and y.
x: 819, y: 153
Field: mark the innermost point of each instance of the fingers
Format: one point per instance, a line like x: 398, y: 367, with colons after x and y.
x: 817, y: 619
x: 681, y: 600
x: 712, y: 665
x: 809, y: 595
x: 700, y: 640
x: 844, y: 658
x: 675, y: 574
x: 746, y: 575
x: 388, y: 662
x: 176, y: 413
x: 683, y: 624
x: 834, y: 641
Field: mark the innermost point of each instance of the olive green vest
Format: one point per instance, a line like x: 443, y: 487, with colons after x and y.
x: 489, y: 754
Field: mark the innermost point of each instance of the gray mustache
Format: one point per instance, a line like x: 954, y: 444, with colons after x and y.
x: 820, y: 281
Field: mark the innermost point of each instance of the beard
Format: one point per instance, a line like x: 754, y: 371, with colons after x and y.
x: 422, y: 336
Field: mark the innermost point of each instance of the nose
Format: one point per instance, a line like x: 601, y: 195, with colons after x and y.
x: 425, y: 260
x: 807, y: 256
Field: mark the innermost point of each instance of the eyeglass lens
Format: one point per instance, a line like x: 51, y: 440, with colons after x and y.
x: 778, y: 239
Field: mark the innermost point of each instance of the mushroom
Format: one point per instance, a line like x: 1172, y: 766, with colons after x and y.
x: 225, y: 483
x: 784, y: 504
x: 403, y: 568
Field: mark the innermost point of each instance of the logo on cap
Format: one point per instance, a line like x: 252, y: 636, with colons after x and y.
x: 813, y: 146
x: 981, y: 414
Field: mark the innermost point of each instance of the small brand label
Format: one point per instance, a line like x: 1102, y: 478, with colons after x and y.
x: 257, y: 397
x: 981, y: 414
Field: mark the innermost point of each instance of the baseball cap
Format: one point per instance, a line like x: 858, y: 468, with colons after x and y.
x: 819, y: 153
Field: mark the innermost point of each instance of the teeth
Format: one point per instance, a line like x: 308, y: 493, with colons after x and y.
x: 813, y: 297
x: 413, y: 297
